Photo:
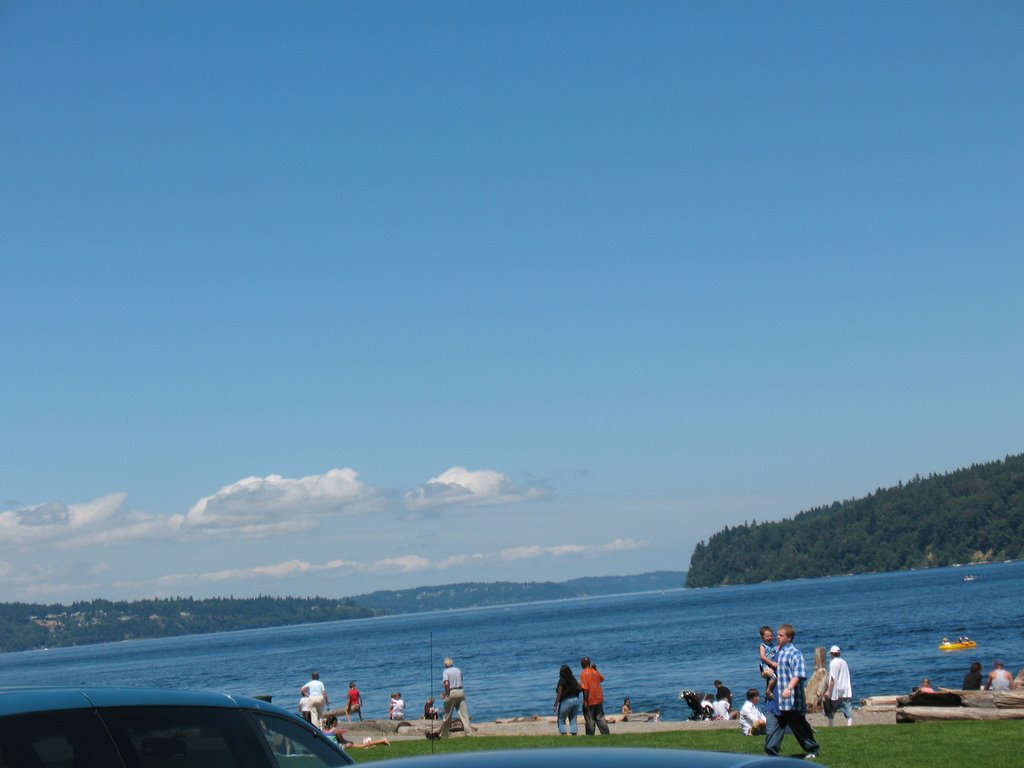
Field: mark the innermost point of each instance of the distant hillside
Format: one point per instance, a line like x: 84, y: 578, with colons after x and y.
x: 27, y: 626
x: 476, y: 594
x: 967, y: 516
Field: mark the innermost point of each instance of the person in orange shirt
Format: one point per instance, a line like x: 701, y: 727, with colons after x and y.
x: 593, y: 697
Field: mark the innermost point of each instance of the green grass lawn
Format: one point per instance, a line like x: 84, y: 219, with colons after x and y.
x: 997, y: 744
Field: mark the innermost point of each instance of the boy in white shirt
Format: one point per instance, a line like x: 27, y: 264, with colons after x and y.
x: 752, y: 721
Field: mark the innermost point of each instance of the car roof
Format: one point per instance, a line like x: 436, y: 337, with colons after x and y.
x: 24, y: 699
x: 607, y: 757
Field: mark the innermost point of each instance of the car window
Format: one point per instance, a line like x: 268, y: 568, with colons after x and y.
x: 184, y: 737
x: 294, y: 746
x: 74, y: 739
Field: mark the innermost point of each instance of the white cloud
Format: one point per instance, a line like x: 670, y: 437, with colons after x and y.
x: 254, y: 507
x: 453, y: 561
x: 459, y: 486
x: 405, y: 564
x: 266, y: 506
x: 561, y: 550
x: 280, y: 571
x: 521, y: 553
x: 104, y: 520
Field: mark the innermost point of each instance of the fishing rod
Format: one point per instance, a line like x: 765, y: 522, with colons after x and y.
x: 430, y: 672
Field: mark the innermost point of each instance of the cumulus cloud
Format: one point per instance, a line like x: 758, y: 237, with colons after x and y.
x: 266, y: 506
x: 253, y: 507
x: 459, y: 486
x: 105, y: 520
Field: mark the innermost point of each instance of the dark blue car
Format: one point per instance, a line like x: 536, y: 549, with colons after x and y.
x: 142, y: 728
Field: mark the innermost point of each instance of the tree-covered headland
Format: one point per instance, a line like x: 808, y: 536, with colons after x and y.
x: 970, y: 515
x: 25, y: 626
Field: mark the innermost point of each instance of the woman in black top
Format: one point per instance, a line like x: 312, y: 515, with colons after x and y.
x: 567, y: 700
x: 972, y: 682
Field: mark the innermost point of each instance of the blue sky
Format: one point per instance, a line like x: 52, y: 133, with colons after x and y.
x: 328, y: 297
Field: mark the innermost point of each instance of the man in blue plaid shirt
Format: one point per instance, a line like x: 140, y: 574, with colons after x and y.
x: 789, y: 698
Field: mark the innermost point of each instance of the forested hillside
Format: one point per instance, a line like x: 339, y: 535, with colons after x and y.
x: 25, y: 626
x: 970, y: 515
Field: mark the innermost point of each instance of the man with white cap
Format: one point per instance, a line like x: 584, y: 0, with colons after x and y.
x: 839, y: 693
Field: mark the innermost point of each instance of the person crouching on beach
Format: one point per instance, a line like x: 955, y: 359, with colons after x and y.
x: 752, y: 720
x: 429, y: 710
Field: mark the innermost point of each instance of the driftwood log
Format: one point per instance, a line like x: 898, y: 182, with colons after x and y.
x: 919, y: 699
x: 960, y: 705
x: 933, y: 714
x: 997, y: 699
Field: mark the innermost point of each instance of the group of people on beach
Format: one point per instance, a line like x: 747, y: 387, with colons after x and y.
x: 784, y: 670
x: 787, y: 687
x: 313, y: 703
x: 314, y: 699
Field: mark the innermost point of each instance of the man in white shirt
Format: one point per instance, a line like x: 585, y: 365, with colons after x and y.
x: 839, y: 692
x: 317, y: 693
x: 752, y: 720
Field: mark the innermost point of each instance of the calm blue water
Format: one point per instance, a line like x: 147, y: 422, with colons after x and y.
x: 649, y: 646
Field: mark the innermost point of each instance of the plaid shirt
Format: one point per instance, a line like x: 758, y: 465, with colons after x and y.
x: 791, y: 665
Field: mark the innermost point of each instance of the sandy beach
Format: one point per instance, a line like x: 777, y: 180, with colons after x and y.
x: 545, y: 726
